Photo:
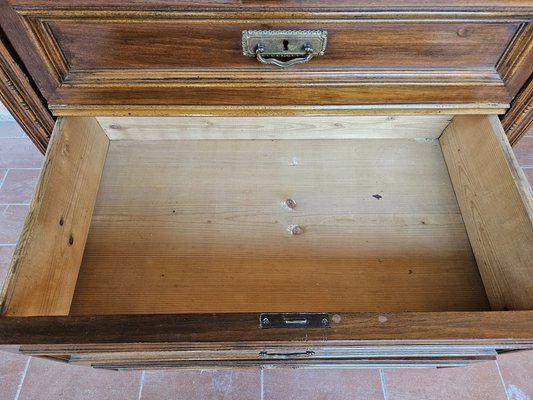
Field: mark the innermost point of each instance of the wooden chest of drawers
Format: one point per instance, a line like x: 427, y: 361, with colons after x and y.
x: 199, y: 209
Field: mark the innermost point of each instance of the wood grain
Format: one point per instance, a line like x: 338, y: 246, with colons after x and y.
x: 122, y: 99
x: 277, y: 110
x: 94, y: 54
x: 12, y: 25
x: 459, y: 7
x: 515, y: 65
x: 504, y: 330
x: 518, y: 121
x: 151, y: 44
x: 310, y: 127
x: 19, y: 95
x: 201, y: 226
x: 46, y: 262
x: 497, y: 208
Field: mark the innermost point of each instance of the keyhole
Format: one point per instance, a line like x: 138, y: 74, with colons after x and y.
x: 286, y: 45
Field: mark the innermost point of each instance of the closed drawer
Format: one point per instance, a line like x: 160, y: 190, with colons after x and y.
x: 128, y: 56
x: 411, y: 230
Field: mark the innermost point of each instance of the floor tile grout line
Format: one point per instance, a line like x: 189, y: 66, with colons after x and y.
x: 22, y: 168
x: 383, y: 383
x: 501, y: 379
x: 141, y: 385
x: 14, y: 204
x: 19, y: 388
x: 262, y: 379
x: 4, y: 178
x: 8, y: 244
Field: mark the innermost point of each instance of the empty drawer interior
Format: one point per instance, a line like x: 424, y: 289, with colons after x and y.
x: 275, y: 214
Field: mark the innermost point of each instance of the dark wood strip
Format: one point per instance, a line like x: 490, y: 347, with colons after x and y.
x: 467, y: 327
x: 415, y: 5
x: 125, y: 97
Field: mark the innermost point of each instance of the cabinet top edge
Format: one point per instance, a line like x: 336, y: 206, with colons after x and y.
x: 388, y: 9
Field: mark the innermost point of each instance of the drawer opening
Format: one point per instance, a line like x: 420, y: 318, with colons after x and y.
x: 269, y: 214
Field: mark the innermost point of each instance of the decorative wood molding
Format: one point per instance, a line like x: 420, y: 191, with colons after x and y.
x: 519, y: 119
x: 343, y: 9
x: 515, y: 65
x: 22, y: 99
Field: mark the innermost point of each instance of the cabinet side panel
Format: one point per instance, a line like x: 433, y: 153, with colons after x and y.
x: 496, y: 205
x: 45, y: 266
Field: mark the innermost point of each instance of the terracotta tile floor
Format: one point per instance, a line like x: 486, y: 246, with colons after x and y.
x: 21, y: 378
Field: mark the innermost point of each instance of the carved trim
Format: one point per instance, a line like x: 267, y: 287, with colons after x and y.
x: 519, y: 119
x: 355, y: 13
x: 515, y: 65
x: 186, y: 77
x: 22, y: 100
x: 51, y: 53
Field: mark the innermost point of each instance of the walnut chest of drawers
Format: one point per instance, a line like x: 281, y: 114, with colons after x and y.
x: 197, y: 208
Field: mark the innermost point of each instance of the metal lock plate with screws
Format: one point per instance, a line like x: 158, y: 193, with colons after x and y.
x: 284, y: 48
x: 294, y: 320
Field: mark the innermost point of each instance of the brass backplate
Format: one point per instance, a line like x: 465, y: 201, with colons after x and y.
x: 284, y: 43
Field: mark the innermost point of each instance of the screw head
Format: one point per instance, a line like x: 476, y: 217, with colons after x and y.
x: 325, y: 321
x: 266, y: 321
x: 290, y: 203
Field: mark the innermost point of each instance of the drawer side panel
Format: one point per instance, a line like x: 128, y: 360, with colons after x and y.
x: 45, y: 266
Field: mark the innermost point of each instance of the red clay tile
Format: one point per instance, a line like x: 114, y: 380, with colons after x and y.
x: 330, y: 384
x: 517, y: 373
x: 11, y: 222
x: 52, y: 380
x: 478, y: 381
x: 6, y: 253
x: 12, y: 367
x: 234, y: 384
x: 19, y: 153
x: 11, y: 130
x: 18, y: 186
x: 523, y: 151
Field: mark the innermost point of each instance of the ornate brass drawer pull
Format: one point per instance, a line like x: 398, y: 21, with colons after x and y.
x: 284, y: 48
x: 261, y: 49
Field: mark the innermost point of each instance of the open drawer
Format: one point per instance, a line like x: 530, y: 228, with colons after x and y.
x: 163, y: 242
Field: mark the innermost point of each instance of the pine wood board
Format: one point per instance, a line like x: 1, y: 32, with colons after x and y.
x: 47, y: 259
x: 201, y: 226
x: 310, y: 127
x: 497, y: 207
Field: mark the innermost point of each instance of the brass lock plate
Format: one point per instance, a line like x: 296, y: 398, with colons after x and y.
x: 284, y: 43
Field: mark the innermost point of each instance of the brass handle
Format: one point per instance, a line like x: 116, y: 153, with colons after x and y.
x: 266, y: 354
x: 283, y: 64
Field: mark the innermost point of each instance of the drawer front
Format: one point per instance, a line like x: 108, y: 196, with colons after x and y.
x: 272, y: 357
x: 141, y: 56
x: 59, y: 300
x: 107, y: 49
